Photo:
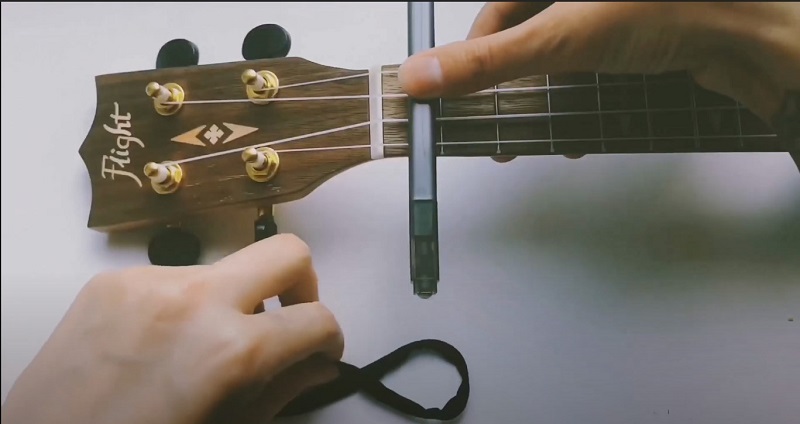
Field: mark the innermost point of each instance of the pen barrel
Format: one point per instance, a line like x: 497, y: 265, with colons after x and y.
x: 425, y: 247
x: 423, y: 211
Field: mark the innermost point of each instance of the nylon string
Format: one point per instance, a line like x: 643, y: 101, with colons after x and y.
x: 439, y: 119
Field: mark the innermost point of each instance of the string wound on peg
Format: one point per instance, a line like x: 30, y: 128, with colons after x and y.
x: 165, y: 178
x: 261, y: 164
x: 260, y: 86
x: 167, y: 98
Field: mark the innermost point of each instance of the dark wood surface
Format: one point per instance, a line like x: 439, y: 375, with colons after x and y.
x: 221, y: 181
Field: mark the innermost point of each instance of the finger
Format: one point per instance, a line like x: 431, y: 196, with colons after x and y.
x: 288, y: 385
x: 743, y: 82
x: 554, y: 41
x: 497, y: 16
x: 293, y: 333
x: 277, y: 266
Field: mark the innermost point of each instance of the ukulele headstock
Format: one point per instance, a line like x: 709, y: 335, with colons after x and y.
x: 171, y: 142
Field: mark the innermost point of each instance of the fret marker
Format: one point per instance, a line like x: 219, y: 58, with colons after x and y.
x: 214, y: 134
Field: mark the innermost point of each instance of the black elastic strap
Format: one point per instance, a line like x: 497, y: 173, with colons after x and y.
x: 368, y: 381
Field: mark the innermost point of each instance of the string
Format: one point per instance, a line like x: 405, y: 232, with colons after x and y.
x: 401, y: 120
x: 496, y: 90
x: 445, y: 119
x: 531, y: 141
x: 271, y: 143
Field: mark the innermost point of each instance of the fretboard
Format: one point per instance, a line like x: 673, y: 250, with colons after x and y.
x: 583, y: 114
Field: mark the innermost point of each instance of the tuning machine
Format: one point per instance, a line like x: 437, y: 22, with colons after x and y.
x: 261, y: 163
x: 261, y: 85
x: 174, y: 246
x: 167, y: 98
x: 165, y: 178
x: 266, y: 41
x: 177, y: 53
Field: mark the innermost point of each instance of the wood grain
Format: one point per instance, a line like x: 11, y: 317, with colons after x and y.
x: 220, y: 181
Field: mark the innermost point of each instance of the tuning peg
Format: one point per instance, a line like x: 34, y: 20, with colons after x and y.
x: 267, y: 41
x: 174, y: 247
x: 164, y: 178
x: 177, y: 53
x: 261, y: 164
x: 265, y: 226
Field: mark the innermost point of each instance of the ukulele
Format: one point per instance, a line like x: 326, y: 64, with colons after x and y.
x: 185, y: 139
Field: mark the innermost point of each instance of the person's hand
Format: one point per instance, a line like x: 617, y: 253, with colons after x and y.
x: 747, y: 51
x: 183, y: 345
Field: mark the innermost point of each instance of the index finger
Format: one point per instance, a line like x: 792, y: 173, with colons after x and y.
x: 277, y: 266
x: 497, y: 16
x: 560, y: 39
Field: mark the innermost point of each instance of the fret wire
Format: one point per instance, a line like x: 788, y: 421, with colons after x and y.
x: 497, y: 124
x: 441, y: 127
x: 600, y: 110
x: 739, y: 123
x: 647, y: 110
x: 694, y: 116
x: 549, y: 113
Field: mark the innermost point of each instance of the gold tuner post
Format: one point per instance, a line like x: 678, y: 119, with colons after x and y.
x: 165, y: 178
x: 167, y: 98
x: 261, y: 85
x: 261, y: 164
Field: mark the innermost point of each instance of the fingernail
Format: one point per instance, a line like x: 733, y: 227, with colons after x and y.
x: 421, y: 76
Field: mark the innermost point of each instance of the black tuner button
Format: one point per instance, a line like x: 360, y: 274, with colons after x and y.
x: 265, y: 226
x: 267, y: 41
x: 177, y: 53
x: 174, y: 247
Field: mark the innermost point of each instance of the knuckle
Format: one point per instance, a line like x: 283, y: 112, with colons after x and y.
x: 328, y: 325
x: 482, y: 58
x: 297, y: 248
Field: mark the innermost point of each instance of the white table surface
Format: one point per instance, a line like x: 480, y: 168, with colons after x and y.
x: 638, y: 289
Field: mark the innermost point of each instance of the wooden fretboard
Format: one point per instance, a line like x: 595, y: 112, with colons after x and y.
x: 584, y: 114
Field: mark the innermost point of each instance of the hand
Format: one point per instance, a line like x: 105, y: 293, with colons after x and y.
x: 747, y: 51
x: 183, y: 345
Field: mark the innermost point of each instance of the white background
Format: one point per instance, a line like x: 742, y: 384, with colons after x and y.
x: 639, y: 289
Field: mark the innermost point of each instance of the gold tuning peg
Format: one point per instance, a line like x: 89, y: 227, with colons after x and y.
x: 261, y: 85
x: 164, y: 178
x: 167, y: 98
x: 261, y: 164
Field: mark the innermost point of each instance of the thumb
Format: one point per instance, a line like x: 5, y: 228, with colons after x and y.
x: 548, y: 42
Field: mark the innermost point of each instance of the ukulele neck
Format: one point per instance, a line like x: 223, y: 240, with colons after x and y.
x: 581, y: 114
